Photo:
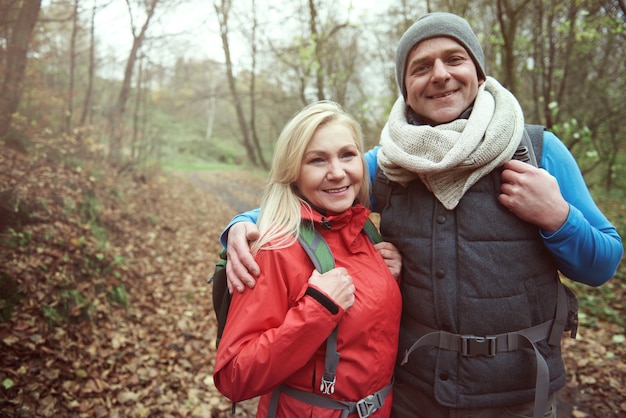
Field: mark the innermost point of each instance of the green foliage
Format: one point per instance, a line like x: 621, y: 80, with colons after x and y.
x: 17, y: 239
x: 116, y: 193
x: 603, y: 303
x: 70, y: 306
x: 119, y: 296
x: 185, y: 165
x: 51, y: 314
x: 89, y: 210
x: 90, y: 207
x: 7, y: 383
x: 70, y: 205
x: 9, y: 297
x: 14, y: 212
x: 17, y: 140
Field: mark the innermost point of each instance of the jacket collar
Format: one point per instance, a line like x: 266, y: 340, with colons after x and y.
x: 349, y: 222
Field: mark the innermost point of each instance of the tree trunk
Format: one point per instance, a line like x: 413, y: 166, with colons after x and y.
x: 255, y: 136
x: 17, y: 49
x: 70, y: 89
x: 115, y: 121
x: 222, y: 13
x: 315, y: 37
x: 88, y: 93
x: 508, y: 16
x: 136, y: 111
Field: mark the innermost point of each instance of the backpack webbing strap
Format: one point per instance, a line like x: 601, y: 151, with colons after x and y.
x: 372, y: 233
x: 535, y: 134
x: 316, y: 248
x: 363, y: 407
x: 525, y: 151
x: 319, y: 252
x: 491, y: 345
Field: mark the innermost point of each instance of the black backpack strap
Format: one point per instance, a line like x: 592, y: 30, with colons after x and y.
x: 221, y: 296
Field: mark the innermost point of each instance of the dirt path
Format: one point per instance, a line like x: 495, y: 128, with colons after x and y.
x: 240, y: 190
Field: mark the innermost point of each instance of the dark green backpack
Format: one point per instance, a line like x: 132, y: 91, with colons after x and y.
x: 314, y: 245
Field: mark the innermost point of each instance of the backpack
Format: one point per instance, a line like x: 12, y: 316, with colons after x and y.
x: 530, y: 151
x: 313, y: 244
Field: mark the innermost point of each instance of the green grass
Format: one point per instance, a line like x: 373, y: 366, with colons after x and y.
x: 197, y: 166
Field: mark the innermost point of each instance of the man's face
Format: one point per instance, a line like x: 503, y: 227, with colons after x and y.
x: 441, y: 80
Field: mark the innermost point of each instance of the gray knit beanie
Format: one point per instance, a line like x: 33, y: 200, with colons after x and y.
x: 433, y: 25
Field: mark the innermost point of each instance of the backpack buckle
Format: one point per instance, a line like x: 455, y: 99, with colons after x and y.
x: 522, y: 154
x: 328, y: 386
x: 473, y: 346
x: 368, y: 405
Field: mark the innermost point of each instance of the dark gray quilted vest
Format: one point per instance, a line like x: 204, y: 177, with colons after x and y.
x: 475, y: 270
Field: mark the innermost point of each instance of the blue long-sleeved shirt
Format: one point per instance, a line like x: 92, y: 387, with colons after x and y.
x: 587, y: 248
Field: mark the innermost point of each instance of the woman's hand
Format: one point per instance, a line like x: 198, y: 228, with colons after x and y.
x: 336, y: 284
x: 392, y: 257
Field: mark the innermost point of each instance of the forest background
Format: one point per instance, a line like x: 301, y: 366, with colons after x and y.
x: 124, y: 122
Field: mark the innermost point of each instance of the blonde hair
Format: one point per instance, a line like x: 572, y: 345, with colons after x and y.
x: 279, y: 218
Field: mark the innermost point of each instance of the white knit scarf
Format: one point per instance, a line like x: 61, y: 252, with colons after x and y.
x: 450, y: 158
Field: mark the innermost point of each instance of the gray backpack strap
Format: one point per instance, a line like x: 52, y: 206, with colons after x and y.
x: 363, y: 407
x: 525, y: 151
x: 381, y: 189
x: 531, y: 148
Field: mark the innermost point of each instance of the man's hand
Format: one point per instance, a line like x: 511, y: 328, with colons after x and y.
x: 533, y: 195
x: 392, y: 257
x: 241, y: 269
x: 337, y: 284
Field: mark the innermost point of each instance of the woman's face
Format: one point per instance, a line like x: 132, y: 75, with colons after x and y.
x: 441, y: 80
x: 331, y: 171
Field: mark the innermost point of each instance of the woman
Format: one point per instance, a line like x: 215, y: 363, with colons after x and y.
x: 274, y: 341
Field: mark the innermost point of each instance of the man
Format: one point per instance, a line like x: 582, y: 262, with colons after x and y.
x: 482, y: 236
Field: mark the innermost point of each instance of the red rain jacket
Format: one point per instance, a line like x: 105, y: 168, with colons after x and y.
x: 276, y: 334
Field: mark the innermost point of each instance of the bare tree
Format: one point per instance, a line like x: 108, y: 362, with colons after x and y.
x: 211, y: 107
x: 223, y: 11
x: 70, y: 88
x: 91, y: 67
x: 20, y: 31
x: 509, y: 13
x: 253, y: 46
x: 139, y: 93
x: 115, y: 120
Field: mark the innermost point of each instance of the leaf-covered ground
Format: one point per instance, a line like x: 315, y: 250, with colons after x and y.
x: 106, y: 310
